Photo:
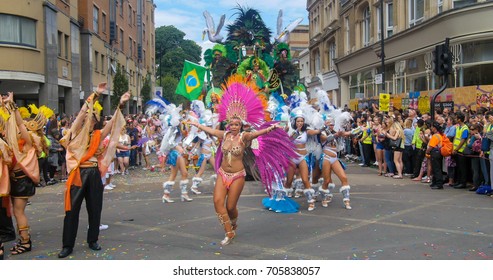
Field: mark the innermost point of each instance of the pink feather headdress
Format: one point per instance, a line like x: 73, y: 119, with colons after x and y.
x: 240, y: 101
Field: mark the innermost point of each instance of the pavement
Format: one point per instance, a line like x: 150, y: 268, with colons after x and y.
x: 391, y: 219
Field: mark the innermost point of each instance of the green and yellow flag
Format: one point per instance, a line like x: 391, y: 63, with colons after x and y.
x: 192, y: 80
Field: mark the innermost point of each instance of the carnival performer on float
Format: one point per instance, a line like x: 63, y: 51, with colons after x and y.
x: 240, y: 104
x: 7, y: 232
x: 24, y: 176
x: 88, y: 160
x: 256, y: 70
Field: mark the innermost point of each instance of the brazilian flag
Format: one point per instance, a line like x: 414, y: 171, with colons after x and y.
x: 192, y: 80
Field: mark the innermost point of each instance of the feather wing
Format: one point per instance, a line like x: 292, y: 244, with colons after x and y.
x: 273, y: 154
x: 293, y: 24
x: 221, y: 24
x: 279, y: 23
x: 209, y: 22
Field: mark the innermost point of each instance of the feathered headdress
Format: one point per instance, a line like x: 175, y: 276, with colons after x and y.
x: 2, y: 122
x: 4, y: 114
x: 156, y: 105
x: 240, y: 101
x: 47, y: 112
x: 280, y: 48
x: 217, y: 92
x: 219, y: 48
x: 24, y: 112
x: 37, y: 123
x: 34, y: 109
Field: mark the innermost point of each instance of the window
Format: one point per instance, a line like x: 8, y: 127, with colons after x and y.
x: 416, y: 11
x: 96, y: 60
x: 103, y: 71
x: 389, y: 8
x: 129, y: 15
x: 95, y: 19
x: 17, y: 30
x: 346, y: 36
x: 440, y: 6
x: 330, y: 12
x: 379, y: 29
x: 131, y: 46
x: 121, y: 8
x: 121, y: 40
x: 67, y: 40
x: 463, y: 3
x: 332, y: 55
x: 316, y: 60
x: 59, y: 44
x: 103, y: 22
x: 366, y: 26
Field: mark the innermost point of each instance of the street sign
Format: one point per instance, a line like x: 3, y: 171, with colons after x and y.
x: 378, y: 79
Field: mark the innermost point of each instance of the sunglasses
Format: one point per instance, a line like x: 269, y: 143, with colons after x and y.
x: 4, y: 94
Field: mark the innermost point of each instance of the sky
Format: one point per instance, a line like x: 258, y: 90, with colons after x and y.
x: 188, y: 15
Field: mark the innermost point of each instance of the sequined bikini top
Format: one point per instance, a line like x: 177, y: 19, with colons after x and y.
x: 231, y: 148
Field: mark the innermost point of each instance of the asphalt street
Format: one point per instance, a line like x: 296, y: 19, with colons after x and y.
x: 391, y: 219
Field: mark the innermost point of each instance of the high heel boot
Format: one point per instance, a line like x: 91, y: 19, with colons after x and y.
x: 195, y: 185
x: 184, y: 193
x: 345, y: 193
x: 228, y: 228
x: 297, y: 184
x: 310, y: 198
x: 167, y: 190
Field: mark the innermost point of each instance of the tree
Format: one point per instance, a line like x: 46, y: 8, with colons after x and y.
x: 145, y: 92
x: 172, y: 49
x: 120, y: 85
x: 169, y: 84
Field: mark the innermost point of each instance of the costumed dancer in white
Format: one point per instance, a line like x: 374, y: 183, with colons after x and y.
x: 332, y: 142
x: 170, y: 146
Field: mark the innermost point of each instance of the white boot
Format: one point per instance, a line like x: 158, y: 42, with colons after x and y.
x: 316, y: 188
x: 345, y: 193
x: 326, y: 197
x: 297, y: 185
x: 167, y: 190
x: 289, y: 192
x: 195, y: 185
x: 184, y: 193
x: 310, y: 193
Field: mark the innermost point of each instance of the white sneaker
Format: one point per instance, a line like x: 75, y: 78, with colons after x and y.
x: 112, y: 185
x: 108, y: 187
x: 103, y: 227
x: 361, y: 164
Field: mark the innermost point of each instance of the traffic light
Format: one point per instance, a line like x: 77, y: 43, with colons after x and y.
x: 442, y: 60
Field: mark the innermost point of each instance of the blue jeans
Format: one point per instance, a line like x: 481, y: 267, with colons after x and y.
x: 485, y: 170
x: 389, y: 160
x: 133, y: 157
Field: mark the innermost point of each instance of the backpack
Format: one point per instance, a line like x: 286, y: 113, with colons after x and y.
x: 447, y: 147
